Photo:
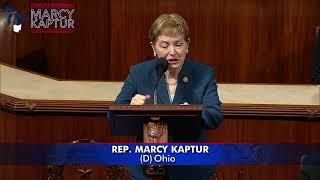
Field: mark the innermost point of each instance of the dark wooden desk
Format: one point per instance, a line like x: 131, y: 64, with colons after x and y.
x: 31, y: 121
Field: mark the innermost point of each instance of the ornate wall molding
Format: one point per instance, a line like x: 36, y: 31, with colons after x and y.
x: 15, y: 105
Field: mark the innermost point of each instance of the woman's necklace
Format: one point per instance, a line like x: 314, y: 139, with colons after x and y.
x: 173, y: 83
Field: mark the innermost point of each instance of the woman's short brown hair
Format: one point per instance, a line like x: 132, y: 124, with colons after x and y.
x: 169, y: 24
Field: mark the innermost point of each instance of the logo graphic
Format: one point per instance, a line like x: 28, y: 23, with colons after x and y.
x: 44, y: 17
x: 52, y: 17
x: 18, y: 17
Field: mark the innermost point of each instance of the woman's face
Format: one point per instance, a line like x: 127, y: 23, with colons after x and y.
x: 173, y: 48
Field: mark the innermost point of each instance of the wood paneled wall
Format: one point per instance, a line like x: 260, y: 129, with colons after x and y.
x: 83, y: 54
x: 246, y: 41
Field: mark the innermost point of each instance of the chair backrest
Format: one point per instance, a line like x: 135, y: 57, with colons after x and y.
x: 55, y: 172
x: 310, y: 167
x: 7, y: 40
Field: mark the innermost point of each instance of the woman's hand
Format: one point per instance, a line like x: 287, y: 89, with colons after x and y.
x: 139, y: 99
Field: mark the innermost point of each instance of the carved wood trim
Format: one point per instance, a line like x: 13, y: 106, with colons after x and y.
x: 15, y: 105
x: 311, y: 112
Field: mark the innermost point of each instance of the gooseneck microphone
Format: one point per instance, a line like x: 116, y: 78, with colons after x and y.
x: 161, y: 67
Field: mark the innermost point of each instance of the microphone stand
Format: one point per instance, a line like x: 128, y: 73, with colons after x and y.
x: 155, y: 130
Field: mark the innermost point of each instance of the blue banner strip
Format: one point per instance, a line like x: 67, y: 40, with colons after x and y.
x: 158, y: 154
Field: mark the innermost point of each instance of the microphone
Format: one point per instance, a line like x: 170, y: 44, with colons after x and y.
x: 161, y: 67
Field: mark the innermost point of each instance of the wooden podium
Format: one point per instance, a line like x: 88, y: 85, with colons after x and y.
x: 155, y: 123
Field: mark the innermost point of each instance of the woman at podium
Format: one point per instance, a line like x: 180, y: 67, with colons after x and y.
x: 172, y: 78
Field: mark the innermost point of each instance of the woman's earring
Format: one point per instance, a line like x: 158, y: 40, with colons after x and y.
x: 154, y: 54
x: 187, y: 51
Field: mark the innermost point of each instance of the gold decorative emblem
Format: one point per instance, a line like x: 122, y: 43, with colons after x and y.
x: 185, y: 79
